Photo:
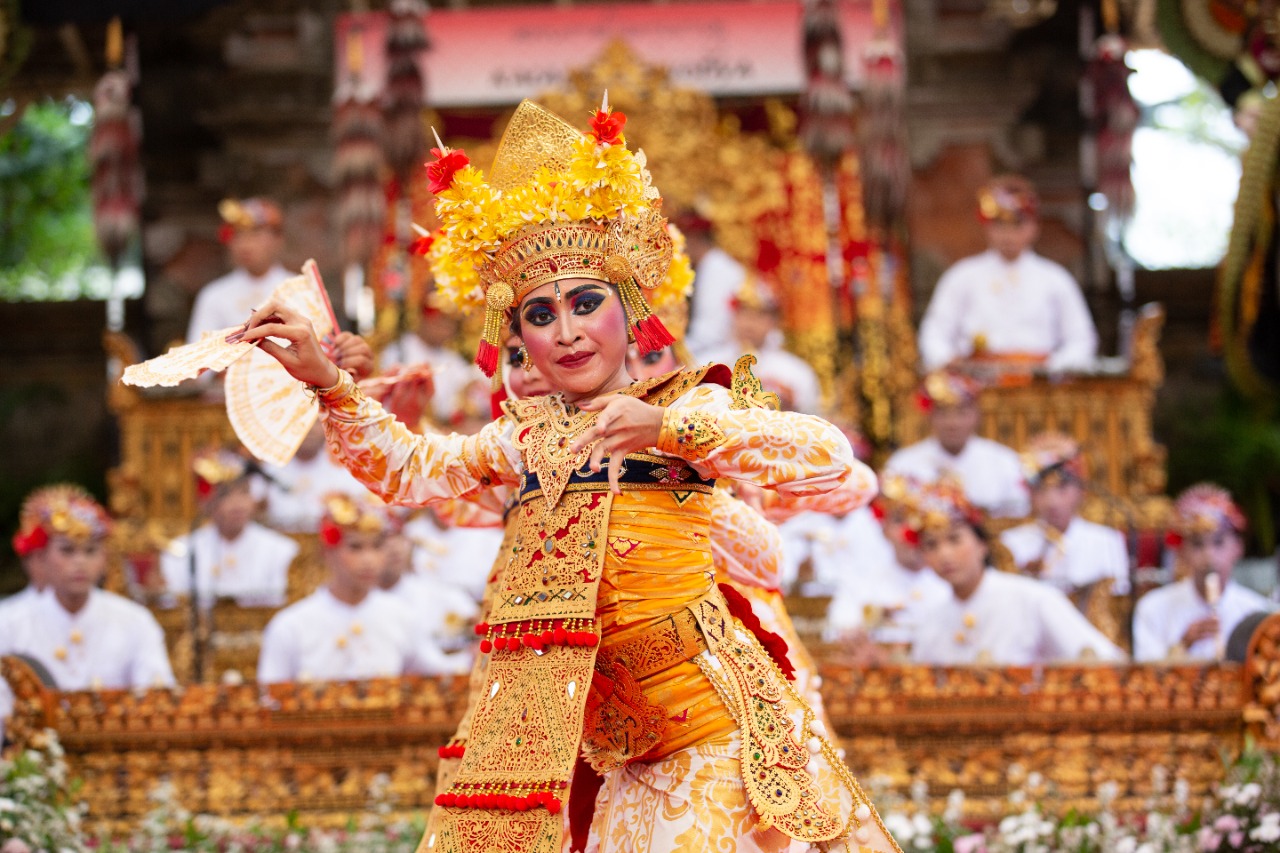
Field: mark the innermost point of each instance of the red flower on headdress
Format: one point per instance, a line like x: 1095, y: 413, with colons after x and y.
x: 924, y: 402
x: 440, y: 172
x: 203, y: 487
x: 330, y: 533
x: 1173, y: 540
x: 226, y: 232
x: 910, y: 536
x: 422, y: 245
x: 877, y: 510
x: 606, y: 127
x: 30, y: 542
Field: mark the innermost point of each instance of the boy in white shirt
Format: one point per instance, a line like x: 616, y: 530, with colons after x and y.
x: 1058, y: 546
x: 1194, y: 617
x: 234, y: 556
x: 349, y: 629
x: 991, y: 617
x: 990, y: 472
x: 1008, y: 301
x: 85, y: 637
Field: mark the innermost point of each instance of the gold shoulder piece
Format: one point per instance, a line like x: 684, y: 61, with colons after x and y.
x: 747, y: 391
x: 665, y: 390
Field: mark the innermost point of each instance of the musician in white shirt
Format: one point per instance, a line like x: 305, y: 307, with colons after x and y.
x: 253, y: 230
x: 1008, y: 301
x: 348, y: 629
x: 991, y: 473
x: 754, y: 329
x: 1194, y: 617
x: 991, y: 617
x: 85, y: 637
x: 230, y: 556
x: 1057, y: 545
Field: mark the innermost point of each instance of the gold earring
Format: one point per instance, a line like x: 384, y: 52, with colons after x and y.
x: 525, y: 364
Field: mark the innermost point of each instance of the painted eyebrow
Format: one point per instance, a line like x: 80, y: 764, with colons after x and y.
x: 547, y: 300
x: 583, y: 288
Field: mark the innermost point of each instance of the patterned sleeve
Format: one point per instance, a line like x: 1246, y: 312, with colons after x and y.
x: 402, y: 467
x: 854, y: 493
x: 792, y: 453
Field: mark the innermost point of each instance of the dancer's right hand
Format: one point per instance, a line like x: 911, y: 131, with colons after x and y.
x: 302, y: 357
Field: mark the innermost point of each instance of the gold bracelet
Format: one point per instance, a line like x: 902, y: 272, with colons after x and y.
x: 689, y: 434
x: 335, y: 393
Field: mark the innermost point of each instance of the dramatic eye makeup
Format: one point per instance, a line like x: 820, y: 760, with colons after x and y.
x: 582, y: 300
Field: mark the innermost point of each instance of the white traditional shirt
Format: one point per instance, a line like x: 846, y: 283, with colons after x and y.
x: 227, y: 301
x: 454, y: 557
x: 835, y: 547
x: 445, y: 616
x: 782, y: 372
x: 19, y: 597
x: 323, y: 639
x: 1031, y: 305
x: 1082, y: 554
x: 295, y: 491
x: 450, y: 372
x: 1009, y: 620
x: 717, y: 279
x: 110, y: 643
x: 899, y: 595
x: 990, y: 472
x: 1164, y: 615
x: 253, y: 568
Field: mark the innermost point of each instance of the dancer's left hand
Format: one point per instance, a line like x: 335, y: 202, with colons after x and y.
x: 623, y: 426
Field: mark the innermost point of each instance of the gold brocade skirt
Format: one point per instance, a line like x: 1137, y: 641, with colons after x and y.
x: 658, y: 563
x: 688, y: 802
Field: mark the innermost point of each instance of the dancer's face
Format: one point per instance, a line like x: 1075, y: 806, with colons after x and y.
x: 575, y: 331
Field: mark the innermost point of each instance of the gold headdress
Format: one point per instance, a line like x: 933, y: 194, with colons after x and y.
x: 558, y: 204
x: 1008, y: 198
x: 1051, y: 455
x: 947, y: 388
x: 1204, y: 508
x: 344, y: 512
x: 59, y: 510
x: 215, y: 468
x: 935, y: 506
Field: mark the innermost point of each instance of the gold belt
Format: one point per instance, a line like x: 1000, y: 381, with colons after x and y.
x: 675, y: 639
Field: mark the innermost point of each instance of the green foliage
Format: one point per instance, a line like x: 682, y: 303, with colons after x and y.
x: 47, y: 244
x: 1237, y: 446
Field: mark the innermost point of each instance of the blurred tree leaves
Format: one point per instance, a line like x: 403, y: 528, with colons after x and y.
x: 47, y: 245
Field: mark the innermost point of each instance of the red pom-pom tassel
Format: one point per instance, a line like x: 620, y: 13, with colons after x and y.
x: 487, y: 358
x: 652, y: 335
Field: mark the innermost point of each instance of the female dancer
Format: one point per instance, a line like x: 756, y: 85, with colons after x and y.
x: 609, y: 636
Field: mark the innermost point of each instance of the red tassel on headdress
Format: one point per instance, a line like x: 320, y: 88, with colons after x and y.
x: 487, y: 358
x: 652, y: 335
x: 773, y: 644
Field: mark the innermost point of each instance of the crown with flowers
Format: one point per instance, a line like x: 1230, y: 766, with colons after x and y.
x: 947, y: 388
x: 215, y: 468
x: 345, y: 512
x: 1008, y: 198
x: 937, y: 505
x: 1204, y: 508
x: 59, y: 510
x: 557, y: 204
x: 1051, y: 456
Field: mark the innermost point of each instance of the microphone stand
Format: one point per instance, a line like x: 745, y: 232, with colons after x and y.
x: 197, y: 642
